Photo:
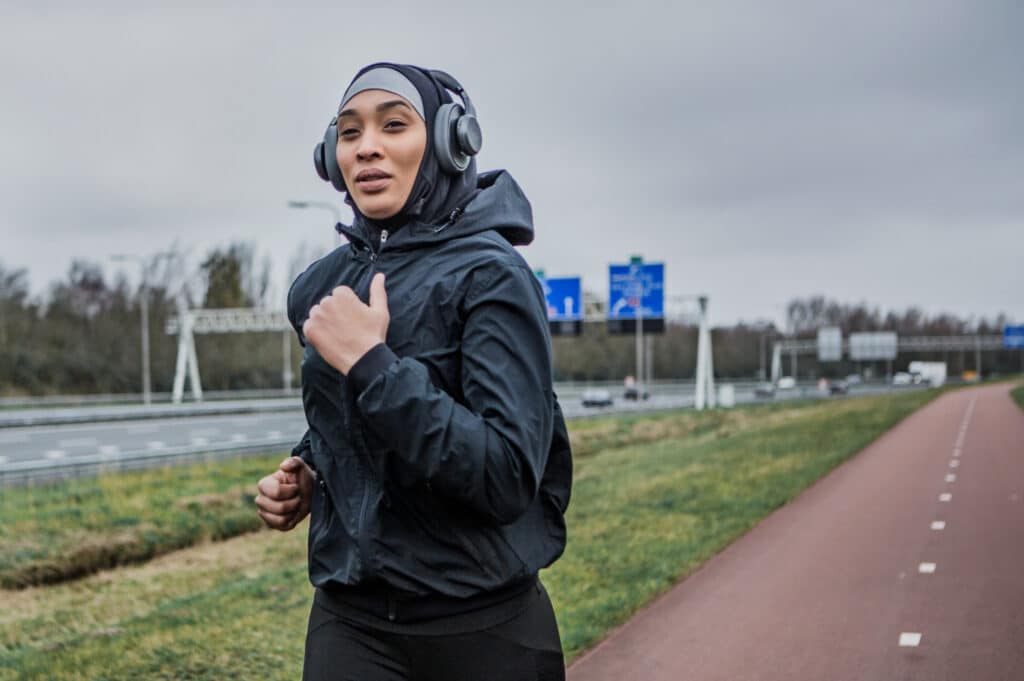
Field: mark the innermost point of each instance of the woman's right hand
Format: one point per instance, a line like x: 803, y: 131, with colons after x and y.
x: 285, y: 495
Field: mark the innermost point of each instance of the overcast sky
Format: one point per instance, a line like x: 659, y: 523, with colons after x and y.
x: 761, y: 150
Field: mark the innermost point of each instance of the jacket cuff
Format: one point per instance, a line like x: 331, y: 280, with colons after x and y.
x: 368, y: 367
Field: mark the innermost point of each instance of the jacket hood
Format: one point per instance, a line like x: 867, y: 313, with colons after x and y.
x: 498, y: 203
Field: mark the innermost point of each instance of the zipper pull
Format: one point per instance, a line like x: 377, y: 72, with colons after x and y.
x: 383, y: 237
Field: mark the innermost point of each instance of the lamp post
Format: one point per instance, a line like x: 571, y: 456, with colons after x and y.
x: 326, y: 205
x: 147, y: 391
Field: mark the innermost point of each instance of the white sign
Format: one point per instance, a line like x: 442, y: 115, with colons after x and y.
x: 830, y: 344
x: 876, y: 345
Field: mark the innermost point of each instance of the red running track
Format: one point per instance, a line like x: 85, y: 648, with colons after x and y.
x: 837, y: 585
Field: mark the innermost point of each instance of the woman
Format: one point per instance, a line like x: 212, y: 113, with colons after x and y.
x: 436, y: 468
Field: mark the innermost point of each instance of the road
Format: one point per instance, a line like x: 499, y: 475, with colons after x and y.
x: 136, y: 433
x: 903, y: 564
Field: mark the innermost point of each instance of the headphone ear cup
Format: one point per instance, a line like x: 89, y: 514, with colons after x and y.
x: 318, y: 162
x: 445, y: 147
x: 469, y: 135
x: 325, y: 158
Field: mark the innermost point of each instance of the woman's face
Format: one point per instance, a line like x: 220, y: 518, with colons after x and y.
x: 381, y: 140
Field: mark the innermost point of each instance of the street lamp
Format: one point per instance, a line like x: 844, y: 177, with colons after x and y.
x: 147, y: 392
x: 326, y: 205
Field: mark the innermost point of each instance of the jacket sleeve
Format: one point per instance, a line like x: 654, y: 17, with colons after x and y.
x: 490, y: 455
x: 304, y: 450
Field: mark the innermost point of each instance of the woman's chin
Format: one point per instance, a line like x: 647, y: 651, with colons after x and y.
x: 378, y: 210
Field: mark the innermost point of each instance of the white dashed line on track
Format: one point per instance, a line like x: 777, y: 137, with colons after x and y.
x: 910, y: 639
x: 956, y: 452
x: 954, y: 463
x: 55, y: 454
x: 951, y: 477
x: 945, y: 496
x: 939, y: 525
x: 926, y: 568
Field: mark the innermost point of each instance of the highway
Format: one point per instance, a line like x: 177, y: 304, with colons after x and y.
x: 127, y: 437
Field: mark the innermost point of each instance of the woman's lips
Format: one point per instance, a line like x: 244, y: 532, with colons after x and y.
x: 372, y: 181
x: 373, y: 186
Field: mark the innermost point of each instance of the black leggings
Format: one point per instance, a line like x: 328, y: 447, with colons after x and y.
x: 525, y: 648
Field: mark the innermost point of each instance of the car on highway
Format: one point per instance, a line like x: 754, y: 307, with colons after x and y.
x: 838, y: 388
x: 635, y: 393
x: 786, y: 383
x: 853, y: 379
x: 597, y: 397
x: 764, y: 390
x: 902, y: 378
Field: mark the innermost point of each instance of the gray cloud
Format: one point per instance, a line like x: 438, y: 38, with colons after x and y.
x: 763, y: 151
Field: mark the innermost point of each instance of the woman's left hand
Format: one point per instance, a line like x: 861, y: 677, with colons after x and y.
x: 343, y: 329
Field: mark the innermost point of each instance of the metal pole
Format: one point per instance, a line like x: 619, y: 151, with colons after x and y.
x: 147, y: 391
x: 286, y: 371
x: 760, y: 355
x: 640, y: 341
x: 649, y: 359
x: 977, y: 355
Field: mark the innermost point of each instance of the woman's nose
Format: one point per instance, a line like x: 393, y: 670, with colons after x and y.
x: 369, y: 147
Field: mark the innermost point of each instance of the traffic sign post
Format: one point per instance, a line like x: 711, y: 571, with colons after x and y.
x: 564, y: 302
x: 1013, y: 337
x: 636, y: 292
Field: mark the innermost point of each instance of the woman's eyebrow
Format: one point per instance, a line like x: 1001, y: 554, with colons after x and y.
x: 383, y: 106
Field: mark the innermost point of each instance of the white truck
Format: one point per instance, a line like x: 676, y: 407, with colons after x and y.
x: 934, y: 373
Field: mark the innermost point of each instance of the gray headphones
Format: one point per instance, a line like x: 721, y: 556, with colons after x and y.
x: 456, y: 136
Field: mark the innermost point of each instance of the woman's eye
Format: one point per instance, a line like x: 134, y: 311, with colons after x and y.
x: 349, y: 132
x: 394, y: 125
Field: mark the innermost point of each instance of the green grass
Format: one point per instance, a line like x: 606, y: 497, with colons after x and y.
x: 1018, y: 395
x: 642, y: 516
x: 53, y: 532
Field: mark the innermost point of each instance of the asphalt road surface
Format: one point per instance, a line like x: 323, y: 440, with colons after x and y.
x: 125, y: 439
x: 906, y: 562
x: 42, y: 450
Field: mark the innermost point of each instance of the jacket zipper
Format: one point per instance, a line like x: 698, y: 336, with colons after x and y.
x: 364, y: 545
x: 383, y: 240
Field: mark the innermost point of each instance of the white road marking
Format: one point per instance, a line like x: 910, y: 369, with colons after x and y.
x: 954, y: 463
x: 55, y: 454
x: 951, y: 477
x: 945, y: 496
x: 200, y: 441
x: 239, y: 437
x: 956, y: 452
x: 939, y: 525
x: 108, y: 450
x: 155, y: 444
x: 910, y: 639
x: 274, y: 434
x: 77, y: 442
x: 926, y: 568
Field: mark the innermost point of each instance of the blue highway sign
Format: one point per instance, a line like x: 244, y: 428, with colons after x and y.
x: 1013, y: 337
x: 636, y: 285
x: 564, y: 298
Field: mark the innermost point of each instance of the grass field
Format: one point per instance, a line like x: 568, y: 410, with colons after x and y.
x: 1018, y: 395
x: 653, y: 498
x: 54, y: 532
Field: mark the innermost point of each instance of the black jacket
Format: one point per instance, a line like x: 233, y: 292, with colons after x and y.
x: 443, y: 458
